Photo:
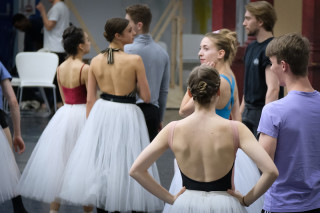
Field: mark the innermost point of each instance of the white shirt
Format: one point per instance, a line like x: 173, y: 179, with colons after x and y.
x: 59, y: 12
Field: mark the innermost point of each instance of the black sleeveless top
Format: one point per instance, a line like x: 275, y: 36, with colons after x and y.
x: 129, y: 99
x: 222, y: 184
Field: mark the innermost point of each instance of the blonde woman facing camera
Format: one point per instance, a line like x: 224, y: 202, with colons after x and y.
x: 218, y: 50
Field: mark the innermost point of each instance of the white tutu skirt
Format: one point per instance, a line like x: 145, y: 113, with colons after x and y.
x: 245, y: 177
x: 206, y: 202
x: 42, y: 176
x: 9, y: 171
x: 98, y: 169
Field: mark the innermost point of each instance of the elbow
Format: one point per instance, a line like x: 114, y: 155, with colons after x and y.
x: 133, y: 173
x: 146, y: 98
x: 273, y: 174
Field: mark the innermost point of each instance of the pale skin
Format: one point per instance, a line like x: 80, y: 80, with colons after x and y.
x: 124, y: 76
x: 283, y: 73
x: 254, y: 27
x: 68, y: 76
x: 208, y: 161
x: 210, y: 55
x: 69, y: 70
x: 17, y: 141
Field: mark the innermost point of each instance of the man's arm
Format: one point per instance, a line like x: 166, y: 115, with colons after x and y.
x: 242, y: 105
x: 48, y: 24
x: 273, y: 86
x: 164, y: 90
x: 269, y: 144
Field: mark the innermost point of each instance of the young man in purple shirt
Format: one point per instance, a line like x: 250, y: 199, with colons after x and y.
x: 290, y: 130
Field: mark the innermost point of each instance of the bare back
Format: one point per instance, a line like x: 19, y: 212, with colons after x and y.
x: 225, y: 89
x: 69, y: 73
x: 204, y: 147
x: 119, y: 78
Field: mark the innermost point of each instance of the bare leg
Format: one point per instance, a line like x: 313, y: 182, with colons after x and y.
x: 87, y: 209
x: 54, y: 207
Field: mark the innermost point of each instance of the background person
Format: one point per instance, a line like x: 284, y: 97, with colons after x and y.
x: 42, y: 176
x: 157, y: 65
x: 55, y: 22
x: 261, y: 86
x: 10, y: 178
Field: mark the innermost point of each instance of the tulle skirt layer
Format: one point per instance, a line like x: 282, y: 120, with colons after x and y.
x: 206, y: 202
x: 9, y: 171
x: 245, y: 177
x: 42, y: 176
x: 98, y: 169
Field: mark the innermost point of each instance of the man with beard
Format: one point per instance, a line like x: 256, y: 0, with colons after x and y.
x: 260, y: 84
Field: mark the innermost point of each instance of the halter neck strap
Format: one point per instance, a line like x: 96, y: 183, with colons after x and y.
x: 110, y: 54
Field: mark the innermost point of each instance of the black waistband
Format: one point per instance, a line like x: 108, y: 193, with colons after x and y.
x: 119, y: 99
x: 222, y: 184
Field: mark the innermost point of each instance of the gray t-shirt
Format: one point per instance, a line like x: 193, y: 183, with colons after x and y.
x: 53, y: 38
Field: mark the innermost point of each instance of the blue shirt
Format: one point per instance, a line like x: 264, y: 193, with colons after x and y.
x: 4, y: 74
x: 157, y: 65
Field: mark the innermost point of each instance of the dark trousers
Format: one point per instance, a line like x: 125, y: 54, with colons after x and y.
x: 18, y: 206
x: 311, y: 211
x: 152, y: 117
x: 251, y: 118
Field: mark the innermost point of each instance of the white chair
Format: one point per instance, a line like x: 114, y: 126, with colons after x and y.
x: 37, y: 69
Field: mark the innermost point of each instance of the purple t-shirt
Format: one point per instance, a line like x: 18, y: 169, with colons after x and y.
x: 4, y: 74
x: 295, y: 121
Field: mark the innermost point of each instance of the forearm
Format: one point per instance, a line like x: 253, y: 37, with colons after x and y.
x: 145, y: 179
x: 187, y: 106
x: 272, y: 94
x: 263, y: 184
x: 242, y: 105
x: 15, y: 115
x: 235, y: 112
x: 162, y: 104
x: 89, y: 106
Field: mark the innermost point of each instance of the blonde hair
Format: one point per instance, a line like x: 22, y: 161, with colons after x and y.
x: 226, y: 40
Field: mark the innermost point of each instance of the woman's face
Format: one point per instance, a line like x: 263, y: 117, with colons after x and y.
x: 87, y: 43
x: 127, y: 35
x: 208, y: 51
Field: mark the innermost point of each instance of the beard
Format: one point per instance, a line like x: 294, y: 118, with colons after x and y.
x: 253, y: 32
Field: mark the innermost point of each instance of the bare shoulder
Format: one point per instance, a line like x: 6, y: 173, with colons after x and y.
x: 97, y: 58
x: 133, y: 57
x: 85, y: 69
x: 224, y: 85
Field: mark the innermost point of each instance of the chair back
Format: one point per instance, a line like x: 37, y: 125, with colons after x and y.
x: 36, y: 68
